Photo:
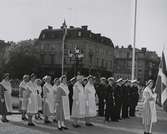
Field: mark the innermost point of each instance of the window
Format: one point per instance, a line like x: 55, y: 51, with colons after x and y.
x: 79, y: 33
x: 42, y: 56
x: 52, y: 59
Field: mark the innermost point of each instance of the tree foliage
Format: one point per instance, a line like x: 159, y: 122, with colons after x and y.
x: 20, y: 60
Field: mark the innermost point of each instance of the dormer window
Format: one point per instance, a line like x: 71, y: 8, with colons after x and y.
x: 43, y: 36
x: 79, y: 33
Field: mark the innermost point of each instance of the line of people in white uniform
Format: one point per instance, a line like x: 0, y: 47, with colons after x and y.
x: 53, y: 100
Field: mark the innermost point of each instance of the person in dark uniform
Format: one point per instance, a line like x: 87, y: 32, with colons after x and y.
x: 70, y: 87
x: 100, y: 90
x: 110, y: 101
x: 134, y: 97
x: 125, y: 100
x: 3, y: 109
x: 118, y: 98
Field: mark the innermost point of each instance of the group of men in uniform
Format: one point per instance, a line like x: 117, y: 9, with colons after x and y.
x: 117, y: 99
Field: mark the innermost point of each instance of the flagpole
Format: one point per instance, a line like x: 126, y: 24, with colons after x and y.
x: 63, y: 40
x: 134, y: 43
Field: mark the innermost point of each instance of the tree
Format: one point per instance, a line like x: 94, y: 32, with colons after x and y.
x: 20, y: 64
x: 20, y: 60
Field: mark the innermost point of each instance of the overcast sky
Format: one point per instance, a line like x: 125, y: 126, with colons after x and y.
x: 24, y: 19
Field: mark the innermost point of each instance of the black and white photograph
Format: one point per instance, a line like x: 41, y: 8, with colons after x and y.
x: 83, y: 66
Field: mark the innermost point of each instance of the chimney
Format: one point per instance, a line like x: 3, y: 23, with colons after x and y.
x: 144, y: 49
x: 84, y: 27
x: 71, y: 27
x: 50, y: 27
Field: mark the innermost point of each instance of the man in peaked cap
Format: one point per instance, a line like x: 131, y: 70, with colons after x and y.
x: 125, y: 99
x: 118, y: 93
x: 134, y: 97
x: 110, y: 101
x: 101, y: 91
x: 70, y: 87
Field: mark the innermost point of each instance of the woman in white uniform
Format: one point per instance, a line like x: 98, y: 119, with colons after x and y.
x: 49, y: 100
x: 78, y: 108
x: 55, y: 87
x: 6, y: 104
x: 32, y: 107
x: 38, y: 83
x: 23, y: 97
x: 149, y: 107
x: 62, y: 103
x: 90, y: 93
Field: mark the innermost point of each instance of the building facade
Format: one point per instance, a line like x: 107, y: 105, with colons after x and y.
x: 97, y: 51
x: 146, y: 64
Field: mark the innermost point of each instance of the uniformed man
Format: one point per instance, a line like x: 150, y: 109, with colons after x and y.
x: 134, y: 97
x: 101, y: 89
x: 118, y: 98
x: 110, y: 101
x: 70, y: 87
x: 125, y: 98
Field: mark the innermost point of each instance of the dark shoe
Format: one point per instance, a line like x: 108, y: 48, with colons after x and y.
x: 76, y: 126
x: 115, y: 120
x: 65, y: 128
x: 24, y: 118
x: 4, y: 120
x: 47, y: 121
x: 89, y: 124
x: 31, y: 124
x: 60, y: 128
x: 54, y: 120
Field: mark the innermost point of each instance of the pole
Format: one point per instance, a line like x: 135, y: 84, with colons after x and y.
x: 62, y: 71
x: 63, y: 40
x: 134, y: 42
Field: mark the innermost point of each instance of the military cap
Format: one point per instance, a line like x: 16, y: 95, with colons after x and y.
x: 25, y: 76
x: 72, y: 79
x: 119, y: 80
x: 110, y: 78
x: 102, y: 78
x: 90, y: 76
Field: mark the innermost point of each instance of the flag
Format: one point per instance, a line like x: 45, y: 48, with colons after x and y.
x: 161, y: 83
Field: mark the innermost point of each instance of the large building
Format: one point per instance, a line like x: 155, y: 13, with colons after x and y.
x: 146, y: 63
x: 97, y: 52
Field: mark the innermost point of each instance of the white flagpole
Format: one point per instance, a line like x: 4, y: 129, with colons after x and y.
x: 63, y: 40
x: 134, y: 42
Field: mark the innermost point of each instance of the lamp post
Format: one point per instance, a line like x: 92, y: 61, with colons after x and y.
x: 77, y: 55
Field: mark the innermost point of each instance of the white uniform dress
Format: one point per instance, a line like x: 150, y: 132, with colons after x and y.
x: 39, y: 98
x: 50, y: 99
x: 65, y: 99
x: 7, y: 94
x: 78, y: 108
x: 32, y: 107
x: 55, y: 88
x: 90, y: 100
x: 149, y: 107
x: 23, y: 98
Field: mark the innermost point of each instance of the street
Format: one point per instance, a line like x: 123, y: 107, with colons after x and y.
x: 128, y: 126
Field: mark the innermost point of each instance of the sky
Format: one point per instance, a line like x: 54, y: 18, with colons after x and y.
x: 24, y: 19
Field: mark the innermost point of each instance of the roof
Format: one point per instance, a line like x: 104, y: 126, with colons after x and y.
x: 74, y: 33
